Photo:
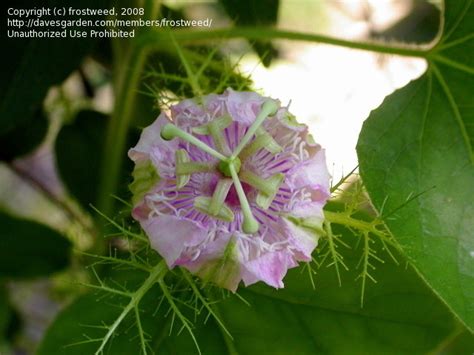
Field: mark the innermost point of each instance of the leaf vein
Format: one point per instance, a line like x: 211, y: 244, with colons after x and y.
x: 458, y: 20
x: 455, y: 108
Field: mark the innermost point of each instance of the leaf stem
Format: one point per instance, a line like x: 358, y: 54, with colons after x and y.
x: 346, y: 220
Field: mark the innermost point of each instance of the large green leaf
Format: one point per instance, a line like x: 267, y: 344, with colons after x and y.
x: 419, y: 144
x: 401, y: 315
x: 462, y: 343
x: 24, y: 137
x: 5, y: 314
x: 29, y: 249
x: 75, y: 331
x: 79, y: 150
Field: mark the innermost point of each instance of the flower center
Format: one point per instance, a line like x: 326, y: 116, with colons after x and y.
x: 224, y: 166
x: 232, y: 199
x: 229, y: 166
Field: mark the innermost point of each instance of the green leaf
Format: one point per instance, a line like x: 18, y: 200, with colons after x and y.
x: 10, y: 321
x: 29, y: 249
x: 416, y: 158
x: 24, y: 137
x: 79, y: 149
x: 401, y: 315
x: 5, y: 314
x: 32, y: 66
x: 461, y: 343
x: 79, y: 153
x: 79, y: 329
x: 83, y: 321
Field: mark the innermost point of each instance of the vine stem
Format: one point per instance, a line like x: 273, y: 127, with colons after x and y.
x: 153, y: 38
x: 119, y: 125
x: 131, y: 64
x: 155, y: 275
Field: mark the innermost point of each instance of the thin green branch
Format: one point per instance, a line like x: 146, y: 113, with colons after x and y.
x: 119, y: 262
x: 347, y: 220
x: 155, y: 276
x: 119, y: 227
x: 205, y: 303
x: 332, y: 250
x: 106, y: 289
x: 343, y: 179
x: 152, y: 38
x: 176, y: 312
x: 311, y: 274
x: 141, y: 332
x: 192, y: 78
x: 365, y: 261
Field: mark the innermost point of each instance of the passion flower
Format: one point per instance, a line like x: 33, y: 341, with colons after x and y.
x: 230, y: 187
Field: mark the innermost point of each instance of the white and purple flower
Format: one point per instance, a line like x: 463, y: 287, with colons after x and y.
x: 231, y: 188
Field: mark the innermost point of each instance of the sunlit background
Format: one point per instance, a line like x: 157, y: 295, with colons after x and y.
x: 333, y: 89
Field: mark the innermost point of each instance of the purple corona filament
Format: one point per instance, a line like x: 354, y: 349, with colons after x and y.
x: 231, y: 188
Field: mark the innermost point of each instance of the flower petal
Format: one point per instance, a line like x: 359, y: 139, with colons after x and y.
x: 170, y: 235
x: 306, y: 209
x: 244, y: 106
x: 311, y: 173
x: 270, y: 268
x: 151, y: 137
x: 216, y: 250
x: 302, y: 239
x: 218, y: 263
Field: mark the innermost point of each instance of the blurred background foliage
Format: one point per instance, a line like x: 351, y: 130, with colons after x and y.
x: 69, y: 109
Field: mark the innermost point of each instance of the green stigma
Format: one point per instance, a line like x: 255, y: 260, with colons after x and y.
x: 224, y: 166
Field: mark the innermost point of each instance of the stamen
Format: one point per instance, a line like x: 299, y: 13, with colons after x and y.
x: 263, y: 140
x: 202, y: 203
x: 194, y: 167
x: 249, y: 224
x: 215, y: 128
x: 215, y: 206
x: 170, y: 131
x: 268, y: 188
x: 219, y: 195
x: 269, y: 108
x: 185, y: 167
x: 181, y: 157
